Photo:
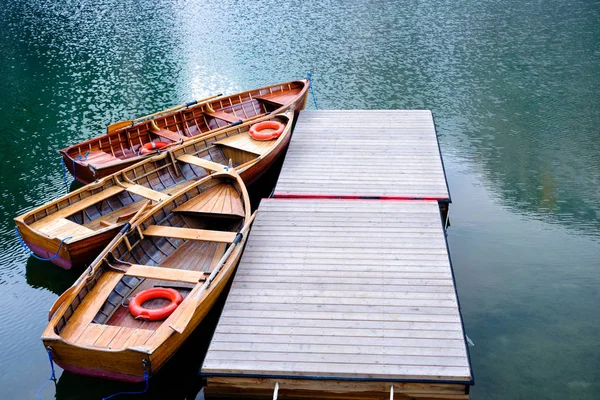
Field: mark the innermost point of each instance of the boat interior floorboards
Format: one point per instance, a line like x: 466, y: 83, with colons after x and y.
x: 193, y: 256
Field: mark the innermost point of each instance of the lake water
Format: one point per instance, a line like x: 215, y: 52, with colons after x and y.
x: 514, y: 86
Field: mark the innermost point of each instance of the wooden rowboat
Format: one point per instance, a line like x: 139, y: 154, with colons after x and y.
x: 77, y: 226
x: 190, y: 242
x: 121, y: 146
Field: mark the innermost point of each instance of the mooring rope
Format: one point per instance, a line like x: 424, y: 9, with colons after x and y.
x: 52, y: 376
x: 31, y: 253
x: 312, y: 91
x: 79, y: 157
x: 146, y: 379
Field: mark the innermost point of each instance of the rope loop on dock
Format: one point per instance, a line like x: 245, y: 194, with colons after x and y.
x: 31, y: 253
x: 52, y: 375
x: 312, y: 91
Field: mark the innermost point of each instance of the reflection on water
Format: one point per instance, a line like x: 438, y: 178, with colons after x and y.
x: 514, y: 88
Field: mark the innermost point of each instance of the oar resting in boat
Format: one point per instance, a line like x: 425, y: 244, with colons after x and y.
x: 77, y: 226
x: 170, y: 267
x: 128, y: 142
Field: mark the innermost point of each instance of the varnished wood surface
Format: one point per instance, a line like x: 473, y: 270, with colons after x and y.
x: 343, y: 288
x: 389, y: 153
x: 91, y: 330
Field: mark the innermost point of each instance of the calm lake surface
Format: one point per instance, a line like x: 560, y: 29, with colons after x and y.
x: 515, y: 89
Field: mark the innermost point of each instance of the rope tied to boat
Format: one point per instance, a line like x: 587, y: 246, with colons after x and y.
x: 312, y: 91
x: 146, y: 379
x: 82, y: 158
x: 31, y: 253
x: 52, y: 375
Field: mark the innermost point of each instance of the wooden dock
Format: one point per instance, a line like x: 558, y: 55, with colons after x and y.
x: 391, y: 154
x: 346, y: 294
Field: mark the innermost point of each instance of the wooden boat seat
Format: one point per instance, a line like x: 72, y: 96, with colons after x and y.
x: 278, y: 98
x: 245, y: 143
x: 167, y: 134
x: 98, y: 158
x: 62, y: 228
x: 117, y: 217
x: 221, y: 200
x: 145, y: 192
x: 87, y: 310
x: 201, y: 162
x: 77, y: 207
x: 224, y: 116
x: 113, y: 337
x: 166, y: 274
x: 189, y: 234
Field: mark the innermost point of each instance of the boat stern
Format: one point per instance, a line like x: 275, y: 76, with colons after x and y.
x: 123, y: 365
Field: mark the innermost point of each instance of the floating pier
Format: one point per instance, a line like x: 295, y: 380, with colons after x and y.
x: 347, y: 293
x: 374, y: 154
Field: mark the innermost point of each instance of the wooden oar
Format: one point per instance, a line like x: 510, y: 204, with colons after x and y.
x: 123, y: 124
x: 90, y: 270
x: 183, y: 319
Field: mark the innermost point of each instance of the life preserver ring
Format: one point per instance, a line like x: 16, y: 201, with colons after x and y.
x: 154, y: 314
x: 275, y: 130
x: 152, y: 146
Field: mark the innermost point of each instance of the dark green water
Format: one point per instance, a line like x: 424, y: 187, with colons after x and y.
x: 514, y: 86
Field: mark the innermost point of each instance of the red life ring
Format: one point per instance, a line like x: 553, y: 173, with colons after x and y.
x: 154, y: 314
x: 152, y: 146
x: 275, y: 130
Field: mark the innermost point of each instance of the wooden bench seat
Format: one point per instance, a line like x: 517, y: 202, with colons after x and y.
x: 201, y: 162
x: 244, y: 142
x: 117, y: 217
x: 278, y: 98
x: 98, y: 158
x: 62, y: 228
x: 224, y: 116
x: 220, y: 200
x: 189, y: 234
x: 145, y: 192
x: 78, y: 206
x: 170, y: 135
x: 166, y: 274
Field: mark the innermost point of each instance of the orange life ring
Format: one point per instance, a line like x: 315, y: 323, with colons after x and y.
x: 152, y: 146
x: 154, y: 314
x: 275, y: 130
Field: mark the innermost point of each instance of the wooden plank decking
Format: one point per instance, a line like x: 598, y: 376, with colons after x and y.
x: 329, y: 292
x: 375, y: 153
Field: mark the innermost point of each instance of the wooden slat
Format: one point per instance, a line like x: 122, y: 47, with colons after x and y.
x: 190, y: 234
x: 107, y: 336
x: 167, y: 134
x: 62, y: 228
x: 222, y: 199
x: 90, y: 305
x: 166, y: 274
x: 145, y: 192
x: 224, y: 116
x: 343, y: 288
x: 244, y: 142
x: 201, y: 162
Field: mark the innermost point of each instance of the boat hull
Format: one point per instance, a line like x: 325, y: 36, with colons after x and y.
x: 68, y: 255
x: 85, y: 174
x: 128, y: 365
